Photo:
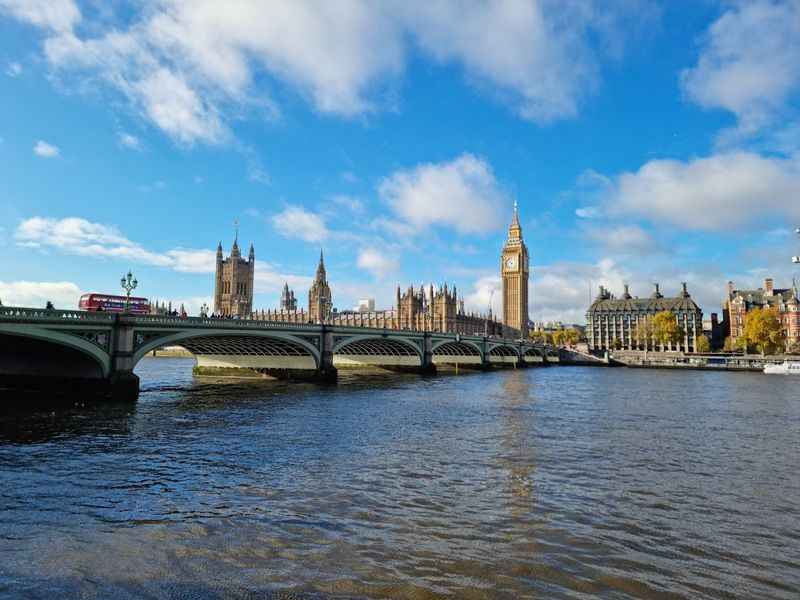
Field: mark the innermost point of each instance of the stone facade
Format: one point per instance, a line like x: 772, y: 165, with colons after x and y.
x: 233, y: 288
x: 288, y: 301
x: 320, y: 300
x: 612, y: 323
x: 515, y: 270
x: 739, y: 302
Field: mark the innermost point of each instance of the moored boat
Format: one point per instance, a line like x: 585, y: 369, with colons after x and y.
x: 787, y: 367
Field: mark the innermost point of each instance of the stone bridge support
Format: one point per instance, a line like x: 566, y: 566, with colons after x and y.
x: 124, y: 382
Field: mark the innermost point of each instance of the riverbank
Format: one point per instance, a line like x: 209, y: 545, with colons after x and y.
x: 710, y: 362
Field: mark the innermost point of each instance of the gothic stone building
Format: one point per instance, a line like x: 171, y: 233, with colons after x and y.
x: 233, y: 288
x: 612, y: 322
x: 739, y: 302
x: 515, y: 270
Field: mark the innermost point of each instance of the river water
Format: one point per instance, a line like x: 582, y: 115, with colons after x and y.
x: 539, y: 483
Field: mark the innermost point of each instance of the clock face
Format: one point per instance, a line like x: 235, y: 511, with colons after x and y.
x: 511, y: 262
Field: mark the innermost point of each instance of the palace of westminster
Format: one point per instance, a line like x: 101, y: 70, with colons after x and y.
x: 420, y: 309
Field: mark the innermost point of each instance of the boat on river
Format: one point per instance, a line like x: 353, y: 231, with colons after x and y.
x: 787, y: 367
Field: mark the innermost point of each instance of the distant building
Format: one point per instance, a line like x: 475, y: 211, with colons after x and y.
x: 288, y: 301
x: 365, y: 305
x: 320, y: 300
x: 514, y: 270
x: 739, y: 302
x: 233, y: 288
x: 612, y: 323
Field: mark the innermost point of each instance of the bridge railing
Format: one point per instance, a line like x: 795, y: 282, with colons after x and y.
x: 13, y: 313
x: 204, y: 322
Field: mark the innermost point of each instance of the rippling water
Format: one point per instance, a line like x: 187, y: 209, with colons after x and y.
x: 540, y: 483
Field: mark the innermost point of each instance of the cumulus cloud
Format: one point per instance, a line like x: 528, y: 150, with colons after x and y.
x: 183, y: 65
x: 486, y: 291
x: 45, y: 150
x: 462, y: 194
x: 297, y: 222
x: 712, y: 193
x: 54, y: 15
x: 623, y: 239
x: 63, y: 294
x: 749, y: 64
x: 84, y: 238
x: 376, y: 262
x: 128, y: 140
x: 14, y: 69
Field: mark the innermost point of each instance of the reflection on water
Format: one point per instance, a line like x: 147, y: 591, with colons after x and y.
x: 542, y: 483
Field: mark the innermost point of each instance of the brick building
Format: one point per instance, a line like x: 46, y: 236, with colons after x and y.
x: 739, y: 302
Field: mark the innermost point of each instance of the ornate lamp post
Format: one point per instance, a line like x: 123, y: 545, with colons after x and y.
x: 128, y: 284
x: 796, y: 259
x: 204, y: 310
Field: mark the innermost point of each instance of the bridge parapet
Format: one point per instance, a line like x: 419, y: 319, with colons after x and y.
x: 41, y: 315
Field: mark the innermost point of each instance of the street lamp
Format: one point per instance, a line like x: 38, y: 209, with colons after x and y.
x: 128, y: 284
x: 204, y: 310
x: 796, y: 259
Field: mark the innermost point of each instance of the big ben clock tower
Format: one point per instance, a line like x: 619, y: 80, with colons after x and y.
x: 514, y: 270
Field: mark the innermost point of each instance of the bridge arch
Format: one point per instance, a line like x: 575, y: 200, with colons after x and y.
x: 93, y: 352
x: 535, y: 352
x: 234, y: 342
x: 504, y: 350
x: 379, y: 351
x: 456, y: 347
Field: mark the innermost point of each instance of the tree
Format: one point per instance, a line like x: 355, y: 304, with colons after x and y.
x: 558, y: 337
x: 764, y: 330
x: 571, y: 336
x: 729, y: 345
x: 793, y: 348
x: 666, y: 329
x: 616, y: 344
x: 703, y: 344
x: 643, y: 332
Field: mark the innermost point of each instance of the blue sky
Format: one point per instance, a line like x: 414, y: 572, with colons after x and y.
x: 643, y: 141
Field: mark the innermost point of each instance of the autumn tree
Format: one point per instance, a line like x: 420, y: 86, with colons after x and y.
x: 643, y: 332
x: 666, y: 329
x: 703, y: 344
x: 764, y: 330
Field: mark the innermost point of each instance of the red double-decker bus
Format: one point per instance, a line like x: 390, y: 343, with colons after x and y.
x: 107, y: 303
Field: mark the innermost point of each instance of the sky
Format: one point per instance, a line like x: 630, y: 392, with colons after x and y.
x: 644, y: 142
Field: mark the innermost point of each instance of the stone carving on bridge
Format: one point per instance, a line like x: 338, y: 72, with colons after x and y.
x: 101, y: 339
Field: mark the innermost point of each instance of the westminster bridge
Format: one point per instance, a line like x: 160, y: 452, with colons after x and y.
x: 95, y: 353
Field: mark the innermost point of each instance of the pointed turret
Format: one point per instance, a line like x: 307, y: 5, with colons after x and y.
x: 252, y: 254
x: 321, y: 275
x: 219, y: 252
x: 515, y: 229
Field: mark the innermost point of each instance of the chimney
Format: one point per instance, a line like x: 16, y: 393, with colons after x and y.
x: 685, y: 290
x: 768, y: 289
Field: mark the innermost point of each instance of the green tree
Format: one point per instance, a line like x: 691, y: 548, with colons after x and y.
x: 793, y: 348
x: 616, y: 344
x: 764, y: 330
x: 729, y: 345
x: 558, y: 337
x: 703, y: 344
x: 666, y: 329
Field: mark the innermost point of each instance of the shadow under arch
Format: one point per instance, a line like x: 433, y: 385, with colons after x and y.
x: 233, y: 342
x: 463, y: 347
x: 45, y: 352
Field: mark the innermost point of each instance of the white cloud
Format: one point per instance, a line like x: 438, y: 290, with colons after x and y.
x: 183, y: 65
x: 192, y: 261
x: 45, y: 150
x: 351, y: 203
x: 750, y: 64
x: 14, y: 69
x: 297, y: 222
x: 462, y: 194
x: 623, y: 239
x: 84, y: 238
x: 129, y: 141
x: 376, y: 262
x: 487, y: 289
x: 713, y: 193
x: 63, y: 294
x: 55, y: 15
